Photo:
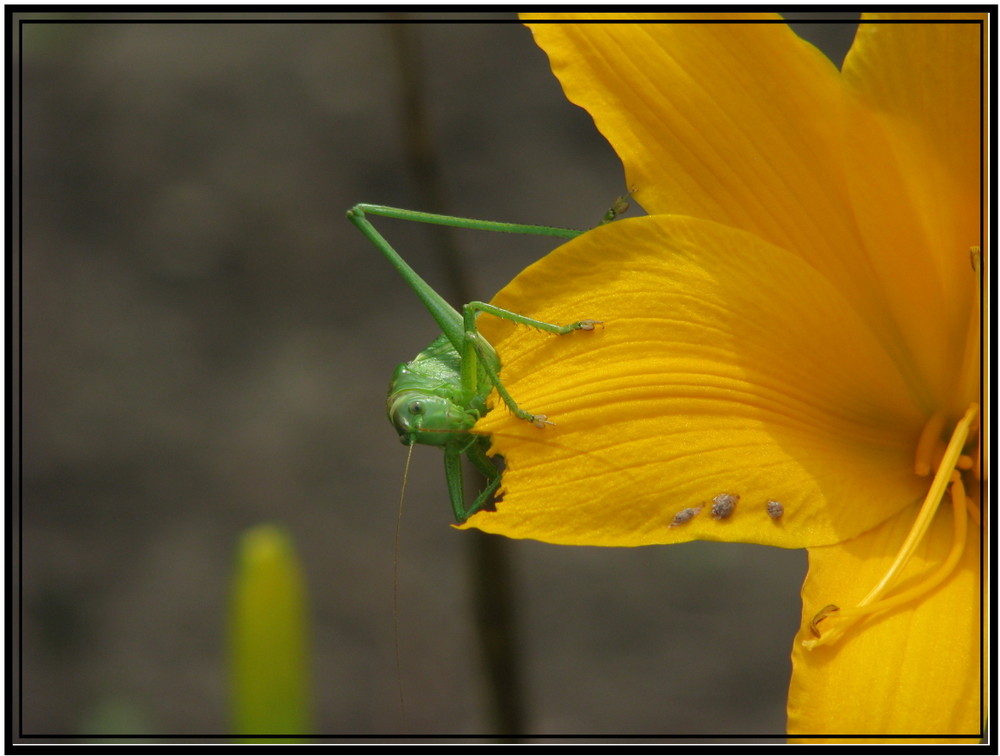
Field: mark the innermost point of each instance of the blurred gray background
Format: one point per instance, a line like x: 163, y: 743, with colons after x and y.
x: 206, y: 347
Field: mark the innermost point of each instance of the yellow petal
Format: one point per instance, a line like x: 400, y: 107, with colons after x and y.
x: 924, y: 81
x: 914, y: 121
x: 738, y: 123
x: 912, y: 671
x: 725, y: 365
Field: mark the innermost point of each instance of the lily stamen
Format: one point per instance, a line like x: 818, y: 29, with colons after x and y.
x: 947, y: 475
x: 926, y: 443
x: 960, y: 531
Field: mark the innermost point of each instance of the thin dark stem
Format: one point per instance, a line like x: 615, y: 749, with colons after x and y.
x: 493, y: 590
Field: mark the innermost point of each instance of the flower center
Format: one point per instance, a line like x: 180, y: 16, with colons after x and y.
x: 831, y: 621
x: 948, y: 463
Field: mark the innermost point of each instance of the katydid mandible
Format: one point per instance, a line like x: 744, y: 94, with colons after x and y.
x: 438, y: 396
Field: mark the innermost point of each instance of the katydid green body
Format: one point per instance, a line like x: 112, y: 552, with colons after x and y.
x: 438, y: 396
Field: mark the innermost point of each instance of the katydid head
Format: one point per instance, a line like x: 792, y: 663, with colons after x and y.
x: 422, y: 417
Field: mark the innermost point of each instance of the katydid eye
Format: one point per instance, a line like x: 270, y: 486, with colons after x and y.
x: 416, y: 408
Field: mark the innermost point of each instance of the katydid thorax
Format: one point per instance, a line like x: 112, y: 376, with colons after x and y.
x: 438, y: 396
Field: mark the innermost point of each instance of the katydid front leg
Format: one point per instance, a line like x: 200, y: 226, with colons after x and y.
x: 474, y: 349
x: 453, y: 474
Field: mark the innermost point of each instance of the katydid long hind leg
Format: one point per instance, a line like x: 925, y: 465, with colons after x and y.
x: 359, y: 211
x: 448, y: 320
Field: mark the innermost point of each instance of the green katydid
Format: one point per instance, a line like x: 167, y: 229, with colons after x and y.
x: 438, y: 396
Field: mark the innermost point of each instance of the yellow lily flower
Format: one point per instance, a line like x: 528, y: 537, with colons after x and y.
x: 791, y: 344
